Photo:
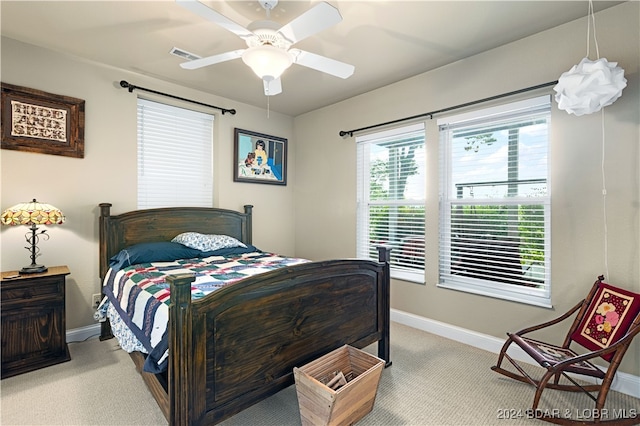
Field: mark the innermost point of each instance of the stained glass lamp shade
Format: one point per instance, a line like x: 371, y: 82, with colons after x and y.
x: 33, y: 214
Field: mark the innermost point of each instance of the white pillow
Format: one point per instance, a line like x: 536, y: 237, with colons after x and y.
x: 206, y: 242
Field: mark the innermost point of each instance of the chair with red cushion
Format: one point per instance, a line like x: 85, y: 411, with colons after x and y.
x: 607, y: 320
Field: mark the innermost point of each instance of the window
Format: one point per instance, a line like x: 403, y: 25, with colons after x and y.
x: 174, y: 156
x: 391, y: 196
x: 495, y: 202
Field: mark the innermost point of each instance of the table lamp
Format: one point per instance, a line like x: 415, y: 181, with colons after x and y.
x: 32, y: 214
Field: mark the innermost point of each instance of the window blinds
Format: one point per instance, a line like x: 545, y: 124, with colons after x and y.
x: 391, y: 197
x: 495, y: 209
x: 174, y: 156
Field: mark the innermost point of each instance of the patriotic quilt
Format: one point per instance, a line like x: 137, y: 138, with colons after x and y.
x: 141, y: 295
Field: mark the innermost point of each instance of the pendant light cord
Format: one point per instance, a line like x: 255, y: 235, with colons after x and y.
x: 604, y: 204
x: 591, y: 22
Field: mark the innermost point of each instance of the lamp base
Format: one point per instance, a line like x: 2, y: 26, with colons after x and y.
x: 33, y: 269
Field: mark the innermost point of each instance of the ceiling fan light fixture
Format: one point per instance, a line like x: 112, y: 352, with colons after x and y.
x: 268, y: 62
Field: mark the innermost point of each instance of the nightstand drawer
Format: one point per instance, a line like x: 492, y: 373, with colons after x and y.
x: 47, y: 289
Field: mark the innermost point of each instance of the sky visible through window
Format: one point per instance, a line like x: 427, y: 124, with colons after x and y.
x: 415, y: 188
x: 486, y: 163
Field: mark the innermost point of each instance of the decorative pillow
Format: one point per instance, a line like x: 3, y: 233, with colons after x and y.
x: 608, y: 318
x: 230, y: 251
x: 207, y: 242
x: 152, y: 252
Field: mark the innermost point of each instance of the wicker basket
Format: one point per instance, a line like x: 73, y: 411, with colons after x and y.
x: 320, y: 404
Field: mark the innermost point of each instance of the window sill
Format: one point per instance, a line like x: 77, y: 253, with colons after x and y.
x: 511, y: 296
x: 412, y: 277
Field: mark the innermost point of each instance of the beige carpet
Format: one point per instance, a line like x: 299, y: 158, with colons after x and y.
x: 433, y: 381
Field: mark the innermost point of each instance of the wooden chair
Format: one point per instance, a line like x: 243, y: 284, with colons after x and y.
x: 606, y: 323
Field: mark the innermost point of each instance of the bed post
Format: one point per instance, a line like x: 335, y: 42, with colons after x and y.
x: 187, y: 388
x: 248, y: 210
x: 105, y: 214
x: 384, y: 256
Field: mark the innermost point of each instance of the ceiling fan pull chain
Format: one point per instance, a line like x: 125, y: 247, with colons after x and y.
x: 267, y: 95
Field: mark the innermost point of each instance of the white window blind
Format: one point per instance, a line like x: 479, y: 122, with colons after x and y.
x: 391, y: 198
x: 174, y: 156
x: 495, y: 202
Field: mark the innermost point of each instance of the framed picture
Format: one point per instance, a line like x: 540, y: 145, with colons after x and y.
x: 259, y: 158
x: 37, y: 121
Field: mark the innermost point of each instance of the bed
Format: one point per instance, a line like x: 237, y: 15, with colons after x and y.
x: 238, y: 345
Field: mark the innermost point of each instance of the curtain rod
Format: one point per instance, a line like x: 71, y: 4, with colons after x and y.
x: 350, y: 133
x: 131, y: 88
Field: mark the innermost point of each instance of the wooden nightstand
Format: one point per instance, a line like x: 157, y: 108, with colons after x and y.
x: 33, y: 320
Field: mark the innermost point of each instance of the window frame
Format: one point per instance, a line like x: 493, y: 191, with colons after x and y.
x: 505, y: 291
x: 364, y: 248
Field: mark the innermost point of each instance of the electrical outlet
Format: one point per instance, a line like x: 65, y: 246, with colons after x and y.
x: 96, y: 299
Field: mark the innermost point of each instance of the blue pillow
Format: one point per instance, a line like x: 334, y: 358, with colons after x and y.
x: 152, y: 252
x: 230, y: 251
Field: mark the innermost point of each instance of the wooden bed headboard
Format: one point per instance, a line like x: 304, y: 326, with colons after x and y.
x: 145, y: 226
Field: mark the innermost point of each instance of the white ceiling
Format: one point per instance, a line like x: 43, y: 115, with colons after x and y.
x: 387, y: 41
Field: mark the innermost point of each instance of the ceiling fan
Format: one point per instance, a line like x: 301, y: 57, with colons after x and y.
x: 268, y: 51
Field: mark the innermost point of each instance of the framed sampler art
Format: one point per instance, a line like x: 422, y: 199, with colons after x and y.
x: 259, y: 158
x: 37, y: 121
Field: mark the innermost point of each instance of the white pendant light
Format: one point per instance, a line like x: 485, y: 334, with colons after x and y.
x: 590, y: 85
x: 268, y: 62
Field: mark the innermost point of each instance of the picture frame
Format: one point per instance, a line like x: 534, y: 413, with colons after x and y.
x: 41, y: 122
x: 259, y: 158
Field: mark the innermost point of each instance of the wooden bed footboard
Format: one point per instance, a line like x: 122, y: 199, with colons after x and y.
x: 238, y: 345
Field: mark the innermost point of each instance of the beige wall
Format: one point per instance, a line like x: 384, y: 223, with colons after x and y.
x: 107, y: 173
x: 325, y: 191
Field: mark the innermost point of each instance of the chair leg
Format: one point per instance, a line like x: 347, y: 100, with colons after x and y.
x: 556, y: 378
x: 502, y: 355
x: 604, y: 390
x: 503, y: 351
x: 523, y: 376
x: 542, y: 383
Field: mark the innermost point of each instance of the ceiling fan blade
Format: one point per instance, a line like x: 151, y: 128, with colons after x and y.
x: 273, y: 87
x: 322, y: 63
x: 210, y: 60
x: 215, y: 17
x: 318, y: 18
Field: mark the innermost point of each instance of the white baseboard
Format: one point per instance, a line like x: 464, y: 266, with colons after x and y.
x: 83, y: 333
x: 623, y: 382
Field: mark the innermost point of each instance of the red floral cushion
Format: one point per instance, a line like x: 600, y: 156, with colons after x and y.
x: 608, y: 318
